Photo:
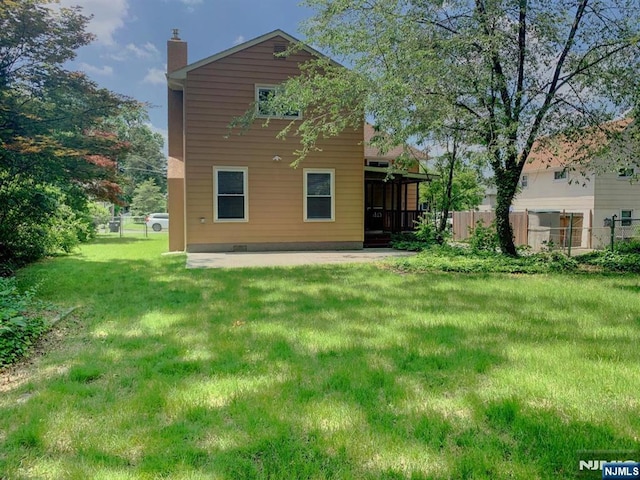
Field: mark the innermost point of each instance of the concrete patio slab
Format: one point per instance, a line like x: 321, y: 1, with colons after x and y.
x: 282, y: 259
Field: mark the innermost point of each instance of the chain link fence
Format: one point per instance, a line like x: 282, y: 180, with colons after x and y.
x: 553, y: 230
x: 128, y: 226
x: 623, y: 229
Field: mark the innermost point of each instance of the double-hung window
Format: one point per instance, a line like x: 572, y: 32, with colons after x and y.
x: 319, y: 195
x: 625, y: 218
x: 230, y: 198
x: 625, y: 173
x: 524, y: 181
x: 264, y: 109
x: 559, y: 175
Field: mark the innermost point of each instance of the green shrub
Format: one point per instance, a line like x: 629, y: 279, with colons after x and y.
x: 100, y: 214
x: 38, y: 220
x: 612, y: 261
x: 632, y: 246
x: 425, y: 235
x: 407, y: 241
x: 484, y: 239
x: 427, y: 231
x: 466, y: 260
x: 18, y: 329
x: 555, y: 261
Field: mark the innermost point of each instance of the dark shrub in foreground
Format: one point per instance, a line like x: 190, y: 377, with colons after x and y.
x: 18, y: 329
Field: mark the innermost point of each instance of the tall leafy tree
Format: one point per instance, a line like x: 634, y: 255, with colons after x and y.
x: 145, y: 159
x: 148, y: 198
x: 56, y: 150
x: 517, y: 70
x: 459, y: 186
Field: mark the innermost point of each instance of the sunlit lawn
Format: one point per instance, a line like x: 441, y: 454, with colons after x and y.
x: 320, y: 372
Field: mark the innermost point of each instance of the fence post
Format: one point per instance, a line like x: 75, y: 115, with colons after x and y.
x: 613, y: 230
x: 570, y: 234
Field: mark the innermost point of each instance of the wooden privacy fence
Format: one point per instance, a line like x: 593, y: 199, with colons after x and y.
x: 464, y: 221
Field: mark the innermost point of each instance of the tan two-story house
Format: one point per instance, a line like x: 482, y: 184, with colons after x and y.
x: 238, y: 192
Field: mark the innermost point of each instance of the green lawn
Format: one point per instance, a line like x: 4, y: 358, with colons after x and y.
x: 319, y: 372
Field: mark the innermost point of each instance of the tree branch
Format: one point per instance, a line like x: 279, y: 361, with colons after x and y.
x: 522, y: 44
x: 553, y: 87
x: 496, y: 65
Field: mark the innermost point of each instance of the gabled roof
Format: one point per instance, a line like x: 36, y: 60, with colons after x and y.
x: 181, y: 74
x: 560, y: 152
x: 371, y: 152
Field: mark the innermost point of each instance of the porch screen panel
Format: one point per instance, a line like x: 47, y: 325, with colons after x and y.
x: 319, y: 196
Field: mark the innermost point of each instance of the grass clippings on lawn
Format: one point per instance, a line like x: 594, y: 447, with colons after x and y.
x: 321, y: 372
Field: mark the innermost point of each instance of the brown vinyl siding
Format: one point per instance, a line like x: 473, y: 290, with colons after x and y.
x: 175, y: 170
x: 216, y: 93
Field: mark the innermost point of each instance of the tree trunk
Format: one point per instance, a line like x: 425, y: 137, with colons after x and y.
x: 506, y: 192
x: 446, y: 201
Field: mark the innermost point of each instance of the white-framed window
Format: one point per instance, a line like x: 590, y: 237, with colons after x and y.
x: 626, y: 173
x: 559, y: 175
x: 524, y: 181
x: 263, y: 94
x: 625, y: 218
x: 230, y: 195
x: 319, y: 194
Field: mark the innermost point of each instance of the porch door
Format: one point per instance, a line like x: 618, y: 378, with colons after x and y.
x: 375, y: 205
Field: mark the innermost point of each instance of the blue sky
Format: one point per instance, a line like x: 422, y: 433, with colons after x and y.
x: 129, y: 53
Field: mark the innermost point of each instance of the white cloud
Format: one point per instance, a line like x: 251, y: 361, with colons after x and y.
x: 191, y: 4
x: 155, y: 76
x: 239, y: 39
x: 148, y: 51
x: 106, y: 70
x: 108, y: 16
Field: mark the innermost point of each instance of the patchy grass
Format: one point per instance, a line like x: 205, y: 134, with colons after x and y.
x: 320, y: 372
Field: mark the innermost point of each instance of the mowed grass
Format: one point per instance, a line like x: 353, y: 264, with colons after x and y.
x: 320, y: 372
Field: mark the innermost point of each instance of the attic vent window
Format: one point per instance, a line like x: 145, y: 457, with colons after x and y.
x: 278, y: 52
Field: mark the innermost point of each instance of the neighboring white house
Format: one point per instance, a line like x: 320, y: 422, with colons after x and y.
x: 553, y: 193
x: 488, y: 203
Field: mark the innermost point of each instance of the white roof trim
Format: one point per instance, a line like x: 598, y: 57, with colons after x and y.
x: 181, y: 74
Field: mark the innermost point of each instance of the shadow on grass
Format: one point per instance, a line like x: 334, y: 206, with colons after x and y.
x: 323, y: 372
x: 115, y: 240
x: 629, y: 288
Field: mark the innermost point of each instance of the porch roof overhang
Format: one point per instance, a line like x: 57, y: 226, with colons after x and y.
x: 382, y: 173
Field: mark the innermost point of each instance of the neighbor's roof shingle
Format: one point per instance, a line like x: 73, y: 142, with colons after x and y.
x: 558, y: 153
